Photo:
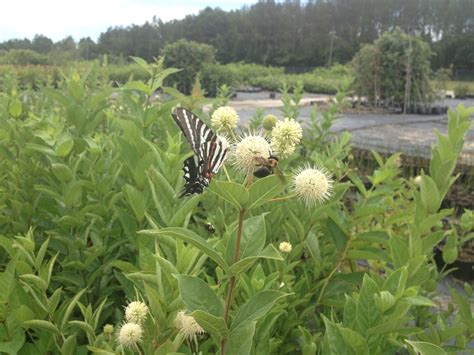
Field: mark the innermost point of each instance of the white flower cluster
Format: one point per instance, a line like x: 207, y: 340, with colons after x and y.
x: 131, y: 332
x: 285, y: 136
x: 187, y: 325
x: 313, y: 185
x: 249, y: 150
x: 225, y: 118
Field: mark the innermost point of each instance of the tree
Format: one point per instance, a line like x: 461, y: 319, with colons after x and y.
x: 190, y: 57
x: 87, y: 48
x: 395, y: 70
x: 41, y: 44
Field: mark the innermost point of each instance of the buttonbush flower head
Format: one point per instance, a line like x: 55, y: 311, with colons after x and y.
x: 108, y: 329
x: 249, y: 150
x: 285, y: 247
x: 129, y: 335
x: 224, y: 118
x: 417, y: 180
x: 269, y: 121
x: 313, y: 185
x: 136, y: 312
x: 187, y: 325
x: 285, y: 136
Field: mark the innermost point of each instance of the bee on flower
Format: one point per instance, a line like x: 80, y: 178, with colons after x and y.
x: 249, y: 151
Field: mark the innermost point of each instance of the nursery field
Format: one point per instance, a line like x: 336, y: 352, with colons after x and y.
x: 272, y: 240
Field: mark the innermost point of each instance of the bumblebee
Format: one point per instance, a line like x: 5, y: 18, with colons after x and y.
x: 210, y: 228
x: 264, y: 166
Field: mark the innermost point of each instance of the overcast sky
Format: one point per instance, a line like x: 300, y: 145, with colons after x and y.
x: 57, y: 19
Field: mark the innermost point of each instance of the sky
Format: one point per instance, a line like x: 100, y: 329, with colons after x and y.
x: 58, y: 19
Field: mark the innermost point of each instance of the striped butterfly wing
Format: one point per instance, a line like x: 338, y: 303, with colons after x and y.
x: 195, y: 131
x: 210, y: 152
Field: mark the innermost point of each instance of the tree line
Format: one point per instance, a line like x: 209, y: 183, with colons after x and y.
x: 289, y: 33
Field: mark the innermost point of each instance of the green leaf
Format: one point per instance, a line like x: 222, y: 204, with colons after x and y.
x: 42, y: 324
x: 367, y: 315
x: 189, y: 237
x: 139, y: 86
x: 199, y: 296
x: 396, y: 282
x: 69, y: 345
x: 424, y: 348
x: 419, y: 301
x: 64, y: 146
x: 265, y: 189
x: 312, y: 244
x: 337, y: 234
x: 384, y: 301
x: 257, y: 306
x: 211, y: 324
x: 137, y: 200
x: 354, y: 340
x: 334, y: 340
x: 15, y: 108
x: 244, y: 264
x: 429, y: 194
x: 240, y: 339
x: 252, y: 240
x: 62, y: 172
x: 70, y: 308
x: 235, y: 194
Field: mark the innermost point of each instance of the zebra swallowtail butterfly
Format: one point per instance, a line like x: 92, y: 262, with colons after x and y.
x: 210, y: 151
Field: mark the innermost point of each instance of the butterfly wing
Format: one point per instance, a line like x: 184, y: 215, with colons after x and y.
x: 193, y: 183
x: 195, y: 131
x: 210, y: 151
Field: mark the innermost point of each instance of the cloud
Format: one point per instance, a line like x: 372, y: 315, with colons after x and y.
x: 59, y: 18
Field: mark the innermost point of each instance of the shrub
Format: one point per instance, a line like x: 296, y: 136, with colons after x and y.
x: 394, y: 70
x: 190, y: 57
x: 461, y: 91
x: 23, y: 57
x: 92, y: 220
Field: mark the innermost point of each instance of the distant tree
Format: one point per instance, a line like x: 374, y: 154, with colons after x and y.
x: 66, y: 44
x: 41, y: 44
x: 189, y: 56
x: 88, y: 49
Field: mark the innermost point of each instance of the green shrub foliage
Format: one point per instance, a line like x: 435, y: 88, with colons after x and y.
x: 91, y: 221
x: 394, y: 70
x: 190, y: 57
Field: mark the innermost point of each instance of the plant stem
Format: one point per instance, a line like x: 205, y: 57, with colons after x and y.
x: 232, y: 280
x: 284, y: 198
x: 339, y: 262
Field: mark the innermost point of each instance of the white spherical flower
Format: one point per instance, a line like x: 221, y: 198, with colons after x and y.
x: 313, y: 185
x: 224, y: 118
x: 285, y: 247
x: 136, y: 312
x: 417, y: 180
x: 129, y: 335
x: 248, y: 152
x: 285, y: 136
x: 187, y: 325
